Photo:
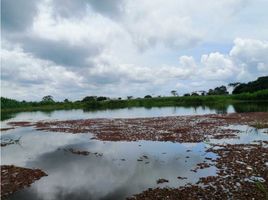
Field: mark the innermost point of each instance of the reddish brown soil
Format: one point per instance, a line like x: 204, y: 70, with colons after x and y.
x: 175, y: 129
x: 191, y: 192
x: 15, y: 178
x: 6, y: 129
x: 22, y: 123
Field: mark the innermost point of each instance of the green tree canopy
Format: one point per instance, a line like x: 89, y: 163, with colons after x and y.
x: 48, y: 98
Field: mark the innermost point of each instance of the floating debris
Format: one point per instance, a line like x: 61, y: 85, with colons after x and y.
x: 146, y: 157
x: 15, y: 178
x: 174, y: 129
x: 98, y: 154
x: 9, y: 141
x: 179, y: 177
x: 234, y: 181
x: 21, y: 124
x: 162, y: 180
x: 79, y: 152
x: 6, y: 129
x: 254, y: 179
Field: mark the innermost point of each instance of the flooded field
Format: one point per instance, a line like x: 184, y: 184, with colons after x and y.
x: 157, y: 153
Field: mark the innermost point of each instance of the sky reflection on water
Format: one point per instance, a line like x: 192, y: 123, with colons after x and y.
x: 100, y: 177
x: 116, y: 174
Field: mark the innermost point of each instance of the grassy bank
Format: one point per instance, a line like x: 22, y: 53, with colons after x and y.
x: 211, y: 100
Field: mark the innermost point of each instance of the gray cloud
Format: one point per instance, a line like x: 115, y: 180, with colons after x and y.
x: 79, y: 8
x: 126, y: 47
x: 61, y: 52
x: 17, y: 15
x: 110, y: 8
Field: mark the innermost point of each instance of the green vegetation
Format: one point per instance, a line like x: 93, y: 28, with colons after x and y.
x: 222, y: 90
x: 259, y: 96
x: 260, y: 84
x: 104, y: 102
x: 215, y: 98
x: 11, y: 105
x: 262, y: 188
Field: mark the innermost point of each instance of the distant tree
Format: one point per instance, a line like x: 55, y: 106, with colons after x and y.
x: 260, y: 84
x: 174, y: 92
x: 186, y: 95
x: 129, y: 97
x: 9, y: 103
x: 66, y: 101
x: 119, y: 98
x: 102, y: 98
x: 48, y: 98
x: 194, y: 94
x: 148, y: 97
x: 222, y: 90
x: 203, y: 93
x: 89, y: 98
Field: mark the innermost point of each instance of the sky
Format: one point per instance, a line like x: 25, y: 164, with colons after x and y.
x: 118, y: 48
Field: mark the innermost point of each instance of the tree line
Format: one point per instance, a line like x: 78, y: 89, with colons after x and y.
x: 260, y: 84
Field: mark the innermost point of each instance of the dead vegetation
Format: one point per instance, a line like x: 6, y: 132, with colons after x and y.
x: 15, y: 178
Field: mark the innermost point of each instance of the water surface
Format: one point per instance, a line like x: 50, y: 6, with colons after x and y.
x: 112, y: 170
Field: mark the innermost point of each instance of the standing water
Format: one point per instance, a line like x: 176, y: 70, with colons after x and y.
x: 109, y: 169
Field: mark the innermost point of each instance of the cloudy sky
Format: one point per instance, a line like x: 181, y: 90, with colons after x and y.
x: 74, y: 48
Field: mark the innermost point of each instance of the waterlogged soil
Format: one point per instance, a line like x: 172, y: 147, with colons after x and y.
x: 14, y: 178
x: 174, y: 129
x: 221, y: 156
x: 242, y: 174
x: 6, y: 129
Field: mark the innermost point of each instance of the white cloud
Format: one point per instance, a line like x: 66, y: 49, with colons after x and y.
x: 26, y: 76
x: 246, y: 60
x: 217, y: 66
x: 82, y: 49
x: 108, y: 74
